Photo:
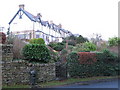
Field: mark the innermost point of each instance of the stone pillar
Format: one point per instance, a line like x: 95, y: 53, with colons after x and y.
x: 7, y: 52
x: 6, y: 58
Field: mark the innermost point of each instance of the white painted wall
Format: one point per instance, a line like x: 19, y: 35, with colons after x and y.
x: 21, y: 24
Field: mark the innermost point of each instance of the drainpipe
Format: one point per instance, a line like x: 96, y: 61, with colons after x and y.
x: 33, y: 30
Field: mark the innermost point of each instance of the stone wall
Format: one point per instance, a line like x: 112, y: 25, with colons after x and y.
x: 17, y: 72
x: 7, y: 52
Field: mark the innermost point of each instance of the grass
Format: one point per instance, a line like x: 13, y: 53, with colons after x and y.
x: 63, y: 82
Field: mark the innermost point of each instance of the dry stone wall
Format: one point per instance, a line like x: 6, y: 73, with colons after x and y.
x: 17, y: 72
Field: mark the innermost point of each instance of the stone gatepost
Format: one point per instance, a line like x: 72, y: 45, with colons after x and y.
x: 6, y: 54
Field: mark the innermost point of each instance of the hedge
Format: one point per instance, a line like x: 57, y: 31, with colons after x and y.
x: 79, y: 66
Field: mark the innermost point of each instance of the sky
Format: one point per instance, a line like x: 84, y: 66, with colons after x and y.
x: 83, y: 17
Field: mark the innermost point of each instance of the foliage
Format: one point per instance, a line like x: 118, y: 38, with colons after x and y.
x: 109, y: 57
x: 18, y: 45
x: 72, y: 43
x: 36, y: 52
x: 37, y: 41
x: 64, y: 51
x: 72, y: 37
x: 88, y: 46
x: 72, y: 64
x: 57, y: 46
x: 52, y: 44
x: 87, y: 57
x: 54, y: 56
x: 99, y: 68
x: 63, y: 55
x: 78, y: 48
x: 73, y: 40
x: 114, y: 41
x: 2, y: 37
x: 81, y: 39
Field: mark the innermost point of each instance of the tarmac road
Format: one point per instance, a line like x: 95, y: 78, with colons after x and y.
x: 100, y: 84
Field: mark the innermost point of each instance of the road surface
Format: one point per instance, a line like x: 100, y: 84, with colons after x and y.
x: 106, y: 84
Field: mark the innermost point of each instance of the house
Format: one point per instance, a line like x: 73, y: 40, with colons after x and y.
x: 27, y: 26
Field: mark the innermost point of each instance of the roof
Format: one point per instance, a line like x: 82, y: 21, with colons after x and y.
x: 38, y: 19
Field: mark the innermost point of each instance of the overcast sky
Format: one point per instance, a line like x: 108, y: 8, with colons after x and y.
x: 84, y: 17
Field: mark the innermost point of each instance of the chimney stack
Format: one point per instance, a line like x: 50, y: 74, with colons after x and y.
x: 39, y: 15
x: 60, y: 25
x: 22, y: 6
x: 51, y: 21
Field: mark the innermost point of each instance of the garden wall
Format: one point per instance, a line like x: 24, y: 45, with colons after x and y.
x: 17, y: 72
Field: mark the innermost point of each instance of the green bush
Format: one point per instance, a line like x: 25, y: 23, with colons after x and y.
x: 57, y: 46
x: 37, y: 41
x: 64, y: 51
x: 109, y: 57
x: 52, y: 44
x: 71, y: 43
x: 88, y: 46
x: 99, y: 68
x: 72, y: 64
x: 114, y: 41
x: 54, y: 56
x: 36, y: 52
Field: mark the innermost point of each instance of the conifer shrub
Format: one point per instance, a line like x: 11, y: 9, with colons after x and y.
x: 36, y: 53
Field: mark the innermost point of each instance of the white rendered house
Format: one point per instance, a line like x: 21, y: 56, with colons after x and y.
x: 27, y: 26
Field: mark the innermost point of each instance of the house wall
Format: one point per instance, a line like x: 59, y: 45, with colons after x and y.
x: 21, y: 24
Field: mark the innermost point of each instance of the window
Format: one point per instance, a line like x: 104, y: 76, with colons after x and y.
x: 37, y: 36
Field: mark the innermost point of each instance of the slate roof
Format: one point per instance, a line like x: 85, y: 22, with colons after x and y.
x: 38, y: 19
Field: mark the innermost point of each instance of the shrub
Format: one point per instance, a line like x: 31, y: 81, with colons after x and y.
x: 99, y: 68
x: 57, y: 46
x: 2, y: 37
x: 81, y: 39
x: 109, y: 57
x: 54, y: 56
x: 18, y: 45
x: 88, y: 46
x: 36, y: 52
x: 87, y: 57
x: 71, y: 43
x: 114, y: 41
x: 64, y: 51
x: 52, y: 44
x: 37, y: 41
x: 73, y: 64
x: 63, y: 55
